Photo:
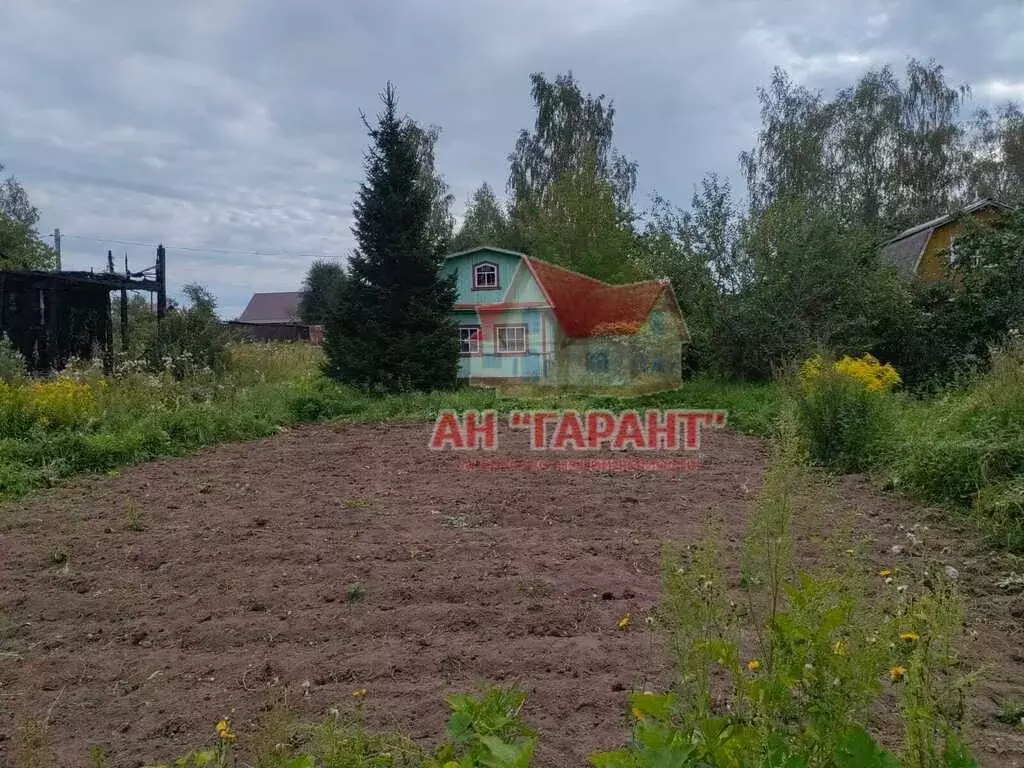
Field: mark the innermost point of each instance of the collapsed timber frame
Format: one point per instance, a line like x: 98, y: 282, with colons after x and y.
x: 52, y: 317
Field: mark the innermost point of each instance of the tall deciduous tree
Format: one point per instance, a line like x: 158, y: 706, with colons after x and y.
x: 815, y: 283
x: 997, y: 149
x: 882, y: 154
x: 391, y: 327
x: 571, y: 190
x: 485, y: 223
x: 442, y: 223
x: 20, y: 244
x: 571, y: 130
x: 580, y: 226
x: 700, y: 251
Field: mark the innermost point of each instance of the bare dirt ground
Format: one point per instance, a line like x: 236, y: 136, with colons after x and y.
x: 135, y: 610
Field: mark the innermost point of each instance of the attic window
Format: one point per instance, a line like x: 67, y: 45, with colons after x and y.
x: 485, y: 276
x: 657, y: 322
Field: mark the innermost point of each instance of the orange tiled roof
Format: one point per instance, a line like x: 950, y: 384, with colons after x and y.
x: 587, y: 307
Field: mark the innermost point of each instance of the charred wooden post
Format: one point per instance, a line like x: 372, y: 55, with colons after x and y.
x: 125, y: 345
x: 108, y: 335
x: 161, y: 281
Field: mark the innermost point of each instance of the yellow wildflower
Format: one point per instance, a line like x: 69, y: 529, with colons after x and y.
x: 839, y: 648
x: 224, y: 730
x: 909, y: 637
x: 885, y: 573
x: 638, y: 714
x: 866, y: 370
x: 897, y: 673
x: 624, y: 622
x: 359, y: 693
x: 753, y: 665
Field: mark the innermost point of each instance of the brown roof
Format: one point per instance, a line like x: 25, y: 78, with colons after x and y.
x: 280, y: 307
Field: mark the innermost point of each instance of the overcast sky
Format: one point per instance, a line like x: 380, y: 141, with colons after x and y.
x: 231, y: 127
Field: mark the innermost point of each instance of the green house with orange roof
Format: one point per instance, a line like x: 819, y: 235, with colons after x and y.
x: 524, y: 320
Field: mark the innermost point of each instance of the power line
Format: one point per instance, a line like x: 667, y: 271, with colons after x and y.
x: 195, y: 249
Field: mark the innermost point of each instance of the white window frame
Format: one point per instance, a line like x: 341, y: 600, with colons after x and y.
x: 490, y: 269
x: 511, y: 339
x: 472, y: 336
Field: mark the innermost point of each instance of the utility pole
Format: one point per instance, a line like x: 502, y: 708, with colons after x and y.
x: 56, y: 246
x: 161, y: 279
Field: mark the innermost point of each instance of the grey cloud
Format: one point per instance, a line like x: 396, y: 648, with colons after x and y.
x: 234, y: 125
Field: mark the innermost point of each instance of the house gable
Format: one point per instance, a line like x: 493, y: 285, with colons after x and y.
x: 511, y: 285
x: 919, y: 252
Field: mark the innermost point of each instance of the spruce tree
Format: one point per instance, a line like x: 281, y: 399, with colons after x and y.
x: 391, y: 326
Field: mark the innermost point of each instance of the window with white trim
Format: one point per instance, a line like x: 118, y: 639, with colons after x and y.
x: 485, y: 276
x: 510, y: 339
x: 469, y: 340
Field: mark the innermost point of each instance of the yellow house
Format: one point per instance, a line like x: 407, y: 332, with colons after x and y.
x: 921, y: 251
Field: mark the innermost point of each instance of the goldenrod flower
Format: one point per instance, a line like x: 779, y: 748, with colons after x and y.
x: 624, y: 622
x: 897, y: 673
x: 359, y: 693
x: 866, y: 371
x: 909, y: 637
x: 753, y: 665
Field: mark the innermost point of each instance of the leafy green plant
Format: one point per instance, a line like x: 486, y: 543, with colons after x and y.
x: 1011, y: 712
x: 355, y: 593
x: 786, y: 670
x: 486, y: 732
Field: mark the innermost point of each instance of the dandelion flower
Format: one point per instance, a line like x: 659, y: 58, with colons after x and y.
x: 897, y: 673
x: 638, y: 714
x: 909, y: 637
x: 624, y: 622
x: 885, y: 573
x: 753, y: 665
x: 224, y: 730
x: 359, y: 693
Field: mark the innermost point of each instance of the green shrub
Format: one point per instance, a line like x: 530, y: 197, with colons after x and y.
x: 190, y: 340
x: 843, y: 409
x: 12, y: 364
x: 966, y: 449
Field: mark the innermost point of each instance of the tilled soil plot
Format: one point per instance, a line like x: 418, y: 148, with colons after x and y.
x: 138, y: 609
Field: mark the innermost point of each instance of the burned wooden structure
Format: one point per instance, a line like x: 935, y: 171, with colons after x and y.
x: 52, y: 317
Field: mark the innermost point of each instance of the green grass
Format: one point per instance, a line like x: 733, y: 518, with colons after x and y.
x: 751, y: 408
x: 965, y: 451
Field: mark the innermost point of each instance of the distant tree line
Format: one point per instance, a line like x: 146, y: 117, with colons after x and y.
x: 785, y: 267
